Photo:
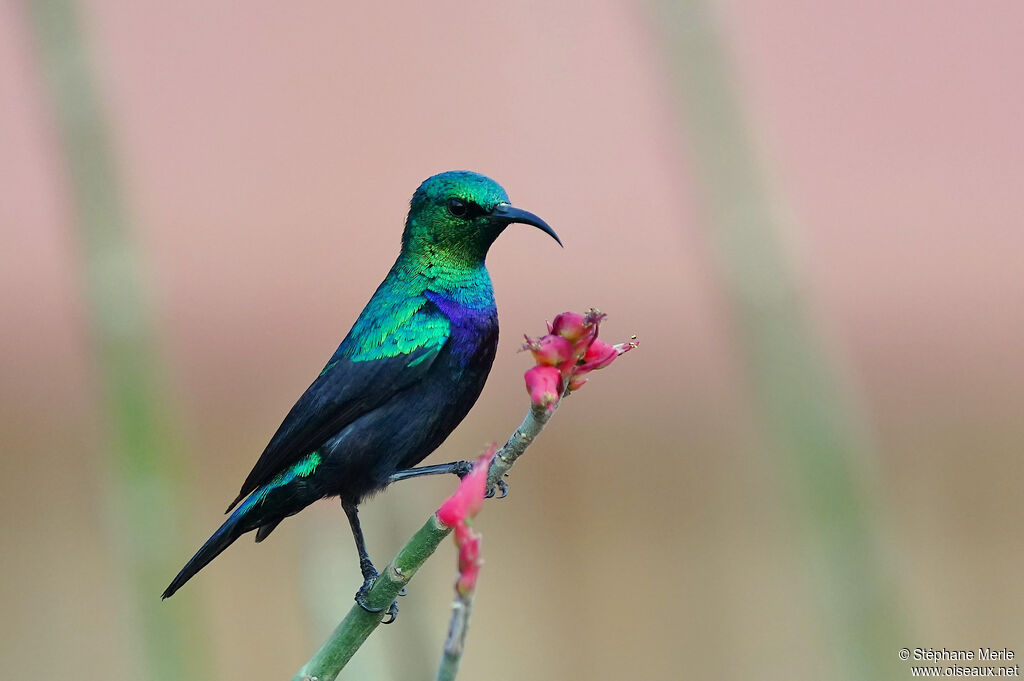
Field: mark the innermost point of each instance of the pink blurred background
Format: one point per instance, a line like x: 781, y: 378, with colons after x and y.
x: 265, y: 157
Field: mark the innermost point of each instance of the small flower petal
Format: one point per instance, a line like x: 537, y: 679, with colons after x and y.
x: 550, y: 350
x: 599, y: 355
x: 453, y: 510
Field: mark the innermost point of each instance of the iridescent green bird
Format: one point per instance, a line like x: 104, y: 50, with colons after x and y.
x: 405, y: 376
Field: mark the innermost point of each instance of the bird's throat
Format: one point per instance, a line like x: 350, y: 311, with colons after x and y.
x: 467, y: 284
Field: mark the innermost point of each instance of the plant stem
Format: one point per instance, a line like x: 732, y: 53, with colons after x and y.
x: 455, y: 644
x: 523, y: 437
x: 351, y: 632
x: 803, y: 407
x: 358, y: 624
x: 144, y: 502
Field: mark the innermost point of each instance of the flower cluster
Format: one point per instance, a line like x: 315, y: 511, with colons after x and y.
x: 456, y: 511
x: 566, y: 354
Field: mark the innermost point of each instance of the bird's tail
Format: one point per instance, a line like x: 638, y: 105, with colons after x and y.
x: 234, y: 527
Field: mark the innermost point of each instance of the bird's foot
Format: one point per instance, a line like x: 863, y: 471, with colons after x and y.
x: 462, y: 468
x: 361, y: 600
x: 364, y: 591
x: 502, y: 487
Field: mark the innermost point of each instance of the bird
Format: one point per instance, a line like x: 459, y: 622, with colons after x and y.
x: 405, y: 376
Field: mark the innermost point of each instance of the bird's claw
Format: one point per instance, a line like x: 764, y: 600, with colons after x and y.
x: 392, y: 612
x: 501, y: 486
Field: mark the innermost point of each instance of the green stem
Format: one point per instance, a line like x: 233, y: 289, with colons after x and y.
x: 797, y: 392
x: 351, y: 632
x: 523, y: 437
x: 145, y: 502
x: 358, y: 624
x: 455, y: 644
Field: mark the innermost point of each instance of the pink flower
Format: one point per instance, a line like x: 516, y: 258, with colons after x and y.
x: 570, y: 325
x: 469, y: 497
x: 599, y: 355
x: 544, y: 383
x: 550, y: 350
x: 456, y: 511
x: 469, y: 559
x: 569, y: 351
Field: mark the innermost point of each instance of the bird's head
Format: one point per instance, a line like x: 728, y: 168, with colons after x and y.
x: 457, y: 215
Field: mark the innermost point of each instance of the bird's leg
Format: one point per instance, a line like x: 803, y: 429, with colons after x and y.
x: 459, y: 468
x: 366, y: 566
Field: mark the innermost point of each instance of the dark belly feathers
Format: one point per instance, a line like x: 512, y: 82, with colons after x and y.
x: 398, y: 435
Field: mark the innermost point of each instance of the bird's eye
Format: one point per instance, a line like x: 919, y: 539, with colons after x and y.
x: 457, y: 207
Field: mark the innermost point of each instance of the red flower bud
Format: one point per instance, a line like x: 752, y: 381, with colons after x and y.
x: 453, y: 510
x: 567, y: 354
x: 469, y: 548
x: 469, y: 497
x: 570, y: 325
x: 544, y: 383
x: 456, y: 511
x: 469, y: 561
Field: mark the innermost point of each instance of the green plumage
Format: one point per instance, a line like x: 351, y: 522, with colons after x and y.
x: 302, y: 468
x: 400, y: 320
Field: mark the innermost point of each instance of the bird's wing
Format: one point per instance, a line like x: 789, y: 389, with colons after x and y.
x: 382, y: 356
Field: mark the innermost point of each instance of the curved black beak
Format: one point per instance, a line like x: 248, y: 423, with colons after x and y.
x: 510, y: 214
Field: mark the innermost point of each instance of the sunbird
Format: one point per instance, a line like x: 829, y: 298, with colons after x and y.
x: 403, y: 378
